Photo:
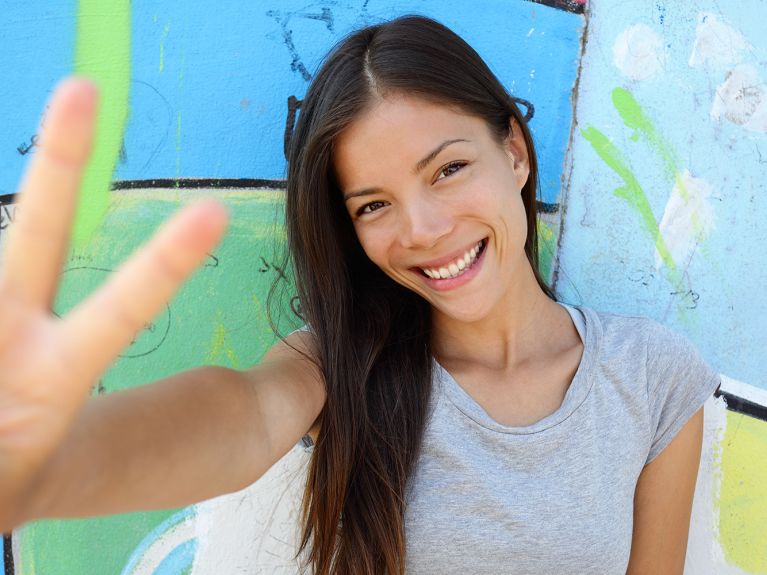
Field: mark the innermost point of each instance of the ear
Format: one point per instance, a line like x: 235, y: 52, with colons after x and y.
x: 516, y: 148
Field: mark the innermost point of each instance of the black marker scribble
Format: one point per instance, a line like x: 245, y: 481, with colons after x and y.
x: 529, y: 108
x: 6, y: 217
x: 325, y: 16
x: 287, y: 37
x: 283, y: 19
x: 212, y: 261
x: 151, y: 327
x: 24, y: 149
x: 641, y: 276
x: 295, y: 307
x: 690, y: 295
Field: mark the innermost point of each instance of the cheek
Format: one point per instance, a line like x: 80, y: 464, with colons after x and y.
x: 373, y: 243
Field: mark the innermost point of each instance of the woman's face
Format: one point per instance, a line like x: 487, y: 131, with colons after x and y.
x: 435, y: 201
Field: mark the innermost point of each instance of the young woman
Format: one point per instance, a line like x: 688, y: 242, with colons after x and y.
x: 463, y: 419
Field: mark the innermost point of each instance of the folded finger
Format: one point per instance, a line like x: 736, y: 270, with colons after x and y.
x: 38, y: 240
x: 105, y: 323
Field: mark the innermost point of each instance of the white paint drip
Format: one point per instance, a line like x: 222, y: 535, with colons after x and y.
x: 638, y: 52
x: 742, y: 99
x: 687, y: 219
x: 716, y: 43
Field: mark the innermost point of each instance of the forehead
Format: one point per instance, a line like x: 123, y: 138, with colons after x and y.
x: 397, y: 129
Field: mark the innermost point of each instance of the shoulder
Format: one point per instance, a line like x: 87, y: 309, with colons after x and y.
x: 635, y: 331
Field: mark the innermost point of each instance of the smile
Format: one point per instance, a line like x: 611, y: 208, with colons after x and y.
x: 458, y: 266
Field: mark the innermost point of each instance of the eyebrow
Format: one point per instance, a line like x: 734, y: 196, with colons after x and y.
x: 418, y: 167
x: 434, y: 153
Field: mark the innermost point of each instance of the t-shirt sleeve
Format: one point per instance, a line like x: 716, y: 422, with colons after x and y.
x: 679, y: 381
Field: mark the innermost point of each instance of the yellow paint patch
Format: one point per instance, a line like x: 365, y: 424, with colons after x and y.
x: 221, y: 353
x: 743, y: 497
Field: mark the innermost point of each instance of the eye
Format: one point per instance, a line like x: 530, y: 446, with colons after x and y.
x: 370, y: 208
x: 449, y: 169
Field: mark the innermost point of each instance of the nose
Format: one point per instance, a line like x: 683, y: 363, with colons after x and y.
x: 424, y: 221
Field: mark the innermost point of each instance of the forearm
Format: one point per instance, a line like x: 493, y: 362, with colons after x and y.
x: 181, y: 440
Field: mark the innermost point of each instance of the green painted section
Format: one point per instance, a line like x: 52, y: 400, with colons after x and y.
x: 219, y: 317
x: 103, y: 53
x: 633, y: 193
x: 742, y: 502
x: 547, y: 247
x: 84, y: 546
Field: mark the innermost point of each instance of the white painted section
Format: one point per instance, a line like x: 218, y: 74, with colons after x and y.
x: 742, y: 99
x: 716, y: 44
x: 638, y: 52
x: 687, y: 219
x: 255, y: 530
x: 744, y: 390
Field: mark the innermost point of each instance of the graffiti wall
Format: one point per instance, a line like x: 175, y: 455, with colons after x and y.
x: 650, y: 121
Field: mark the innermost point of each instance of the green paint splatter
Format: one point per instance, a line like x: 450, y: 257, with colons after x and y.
x: 102, y: 52
x: 634, y: 117
x: 162, y: 46
x: 632, y: 192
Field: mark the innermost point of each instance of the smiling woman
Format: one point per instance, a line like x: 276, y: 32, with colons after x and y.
x: 463, y: 419
x: 470, y: 421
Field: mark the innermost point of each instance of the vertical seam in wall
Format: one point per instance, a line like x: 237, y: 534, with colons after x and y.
x: 567, y: 167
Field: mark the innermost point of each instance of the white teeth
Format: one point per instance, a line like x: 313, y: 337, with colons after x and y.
x: 456, y: 267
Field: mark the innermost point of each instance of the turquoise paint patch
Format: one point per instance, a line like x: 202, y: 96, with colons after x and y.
x: 179, y: 560
x: 154, y: 535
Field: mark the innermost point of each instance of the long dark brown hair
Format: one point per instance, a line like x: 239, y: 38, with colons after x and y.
x: 373, y: 335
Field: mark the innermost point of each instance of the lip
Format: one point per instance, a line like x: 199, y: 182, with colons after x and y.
x: 447, y: 259
x: 452, y: 283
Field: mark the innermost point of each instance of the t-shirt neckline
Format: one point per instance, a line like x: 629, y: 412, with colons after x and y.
x: 574, y: 397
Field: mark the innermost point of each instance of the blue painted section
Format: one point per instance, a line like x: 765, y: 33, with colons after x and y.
x: 217, y: 105
x: 607, y: 261
x: 37, y: 47
x: 179, y: 560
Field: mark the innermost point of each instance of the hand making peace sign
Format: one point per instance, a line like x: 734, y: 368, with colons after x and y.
x: 48, y: 365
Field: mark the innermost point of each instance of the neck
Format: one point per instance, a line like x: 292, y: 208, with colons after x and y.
x: 525, y: 324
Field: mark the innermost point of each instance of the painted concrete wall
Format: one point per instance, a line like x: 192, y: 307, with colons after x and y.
x: 651, y: 123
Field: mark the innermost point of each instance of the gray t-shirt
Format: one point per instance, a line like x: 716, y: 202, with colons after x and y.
x: 555, y: 496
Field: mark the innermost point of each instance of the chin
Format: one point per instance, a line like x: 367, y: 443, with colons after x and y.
x: 462, y: 313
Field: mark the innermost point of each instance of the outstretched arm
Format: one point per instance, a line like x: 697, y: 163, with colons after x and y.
x: 188, y: 437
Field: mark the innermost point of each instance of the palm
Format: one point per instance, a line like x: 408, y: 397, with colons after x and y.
x: 47, y: 364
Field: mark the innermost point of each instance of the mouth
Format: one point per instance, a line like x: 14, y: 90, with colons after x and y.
x: 458, y: 266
